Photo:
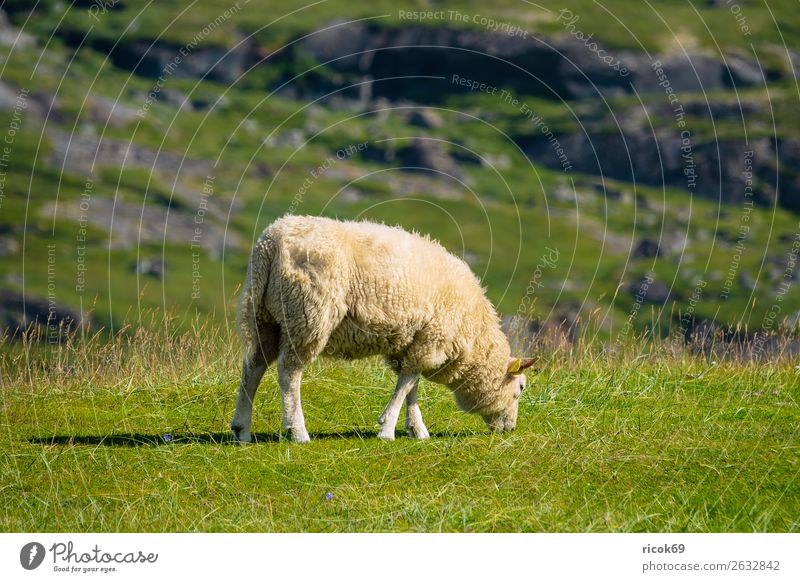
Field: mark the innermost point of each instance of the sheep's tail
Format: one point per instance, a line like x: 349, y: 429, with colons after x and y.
x: 252, y: 318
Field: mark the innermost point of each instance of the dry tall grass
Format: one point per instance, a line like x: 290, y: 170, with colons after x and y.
x: 156, y: 349
x: 164, y: 347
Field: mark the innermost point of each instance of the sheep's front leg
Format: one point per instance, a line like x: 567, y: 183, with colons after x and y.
x: 289, y: 377
x: 252, y: 373
x: 406, y: 381
x: 414, y: 425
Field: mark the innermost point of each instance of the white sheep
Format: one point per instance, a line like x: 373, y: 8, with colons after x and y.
x: 355, y: 289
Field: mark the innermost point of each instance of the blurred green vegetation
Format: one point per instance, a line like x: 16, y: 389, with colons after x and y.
x: 501, y: 218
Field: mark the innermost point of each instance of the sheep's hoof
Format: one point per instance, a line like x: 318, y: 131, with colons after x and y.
x: 300, y: 436
x: 419, y: 433
x: 240, y: 435
x: 386, y: 435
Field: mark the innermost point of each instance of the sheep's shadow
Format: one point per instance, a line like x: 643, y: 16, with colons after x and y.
x: 215, y: 438
x: 212, y: 438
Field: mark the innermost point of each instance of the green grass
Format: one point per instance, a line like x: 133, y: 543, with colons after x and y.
x: 654, y: 443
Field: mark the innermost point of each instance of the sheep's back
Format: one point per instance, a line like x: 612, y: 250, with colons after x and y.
x: 371, y: 289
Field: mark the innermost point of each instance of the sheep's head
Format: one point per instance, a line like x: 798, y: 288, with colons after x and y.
x: 513, y: 383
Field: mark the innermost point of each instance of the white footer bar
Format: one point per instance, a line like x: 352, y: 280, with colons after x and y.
x: 399, y: 557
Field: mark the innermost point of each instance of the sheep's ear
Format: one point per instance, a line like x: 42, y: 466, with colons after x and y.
x: 516, y: 365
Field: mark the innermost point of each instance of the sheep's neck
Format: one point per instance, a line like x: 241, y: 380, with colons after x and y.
x: 476, y: 377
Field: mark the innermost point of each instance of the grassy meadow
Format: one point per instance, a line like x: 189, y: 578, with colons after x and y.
x: 131, y: 435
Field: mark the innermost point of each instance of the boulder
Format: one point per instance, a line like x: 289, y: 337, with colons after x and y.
x: 152, y: 267
x: 652, y: 291
x: 426, y: 118
x: 742, y: 72
x: 646, y: 248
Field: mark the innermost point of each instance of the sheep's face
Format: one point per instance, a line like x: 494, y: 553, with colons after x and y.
x: 514, y: 382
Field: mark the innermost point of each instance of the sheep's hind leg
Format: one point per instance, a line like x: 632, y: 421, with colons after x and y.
x: 406, y: 381
x: 289, y: 376
x: 252, y: 372
x: 414, y: 425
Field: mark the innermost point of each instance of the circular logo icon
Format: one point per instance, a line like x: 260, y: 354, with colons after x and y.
x: 31, y: 555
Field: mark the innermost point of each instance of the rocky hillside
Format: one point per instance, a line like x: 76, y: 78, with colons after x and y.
x: 636, y: 168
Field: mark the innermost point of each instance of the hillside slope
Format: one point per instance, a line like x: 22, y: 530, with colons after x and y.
x: 644, y: 177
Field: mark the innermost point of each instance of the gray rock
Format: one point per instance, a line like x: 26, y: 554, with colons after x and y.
x: 204, y: 103
x: 9, y: 96
x: 653, y: 292
x: 656, y: 158
x: 620, y: 195
x: 498, y: 161
x: 14, y: 99
x: 646, y: 248
x: 422, y: 155
x: 104, y: 110
x: 293, y: 138
x: 77, y: 153
x: 134, y: 225
x: 8, y: 246
x: 152, y: 267
x: 742, y: 72
x: 350, y: 196
x: 380, y: 108
x: 155, y: 59
x: 746, y: 281
x: 563, y: 193
x: 686, y: 73
x: 425, y: 118
x: 12, y: 36
x: 717, y: 109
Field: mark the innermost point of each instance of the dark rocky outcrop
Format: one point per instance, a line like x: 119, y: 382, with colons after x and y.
x: 420, y: 155
x: 426, y: 118
x: 150, y: 266
x: 650, y: 291
x: 20, y: 313
x: 156, y: 59
x: 366, y: 62
x: 418, y: 63
x: 656, y: 157
x: 559, y: 67
x: 646, y: 248
x: 11, y: 36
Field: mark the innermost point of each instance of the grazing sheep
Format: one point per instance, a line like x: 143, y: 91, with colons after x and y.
x: 355, y: 289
